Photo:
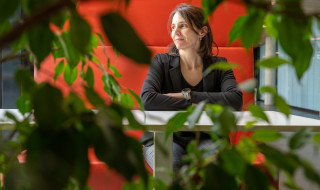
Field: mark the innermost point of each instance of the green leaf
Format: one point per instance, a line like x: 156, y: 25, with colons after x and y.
x: 282, y: 161
x: 248, y: 149
x: 94, y: 98
x: 135, y: 152
x: 12, y: 117
x: 50, y: 162
x: 139, y: 184
x: 316, y: 138
x: 272, y: 62
x: 226, y: 122
x: 110, y: 116
x: 213, y: 109
x: 173, y: 186
x: 58, y: 70
x: 255, y: 179
x: 126, y: 113
x: 134, y: 185
x: 310, y: 172
x: 252, y: 30
x: 224, y: 66
x: 232, y: 162
x: 302, y: 61
x: 70, y: 74
x: 94, y: 42
x: 31, y: 6
x: 24, y: 103
x: 100, y: 38
x: 192, y: 148
x: 115, y: 71
x: 218, y: 179
x: 95, y: 59
x: 90, y: 77
x: 81, y: 164
x: 195, y: 115
x: 60, y: 19
x: 75, y: 104
x: 7, y: 8
x: 15, y: 177
x: 48, y: 111
x: 137, y: 98
x: 268, y: 89
x: 20, y: 43
x: 176, y: 122
x: 66, y: 49
x: 258, y: 112
x: 40, y: 41
x: 271, y: 25
x: 25, y: 79
x: 281, y: 105
x: 248, y: 85
x: 300, y: 49
x: 209, y: 6
x: 82, y: 70
x: 80, y: 33
x: 111, y: 86
x: 59, y: 46
x: 300, y: 138
x: 291, y: 183
x: 126, y: 100
x: 4, y: 27
x: 250, y: 124
x: 265, y: 135
x: 115, y: 51
x: 124, y: 38
x: 115, y: 157
x: 237, y: 28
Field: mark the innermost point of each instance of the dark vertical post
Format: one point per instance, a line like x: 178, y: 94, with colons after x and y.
x: 0, y: 78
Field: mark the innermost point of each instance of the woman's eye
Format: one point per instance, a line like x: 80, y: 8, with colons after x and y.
x: 173, y: 27
x: 183, y: 26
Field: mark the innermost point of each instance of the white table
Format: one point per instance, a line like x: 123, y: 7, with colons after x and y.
x: 156, y: 120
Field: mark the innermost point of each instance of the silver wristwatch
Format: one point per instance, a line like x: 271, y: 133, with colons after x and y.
x: 186, y: 93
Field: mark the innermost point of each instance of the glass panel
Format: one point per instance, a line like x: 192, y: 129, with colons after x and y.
x: 10, y: 89
x: 306, y: 93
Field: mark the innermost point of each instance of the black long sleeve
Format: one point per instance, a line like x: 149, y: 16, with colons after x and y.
x: 155, y: 86
x: 230, y: 93
x: 219, y: 86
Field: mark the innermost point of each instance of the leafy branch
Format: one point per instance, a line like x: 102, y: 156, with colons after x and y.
x: 268, y: 6
x: 13, y: 56
x: 36, y: 18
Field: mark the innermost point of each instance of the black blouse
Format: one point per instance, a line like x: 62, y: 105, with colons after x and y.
x: 165, y: 76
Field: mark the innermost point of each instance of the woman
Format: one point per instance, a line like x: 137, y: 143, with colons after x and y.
x: 175, y: 79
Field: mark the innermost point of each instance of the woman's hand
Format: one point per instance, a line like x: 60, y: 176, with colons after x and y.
x: 175, y: 95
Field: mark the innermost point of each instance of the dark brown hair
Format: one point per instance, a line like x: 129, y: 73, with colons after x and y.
x: 194, y: 17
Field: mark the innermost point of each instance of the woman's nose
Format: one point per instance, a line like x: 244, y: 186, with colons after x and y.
x: 176, y: 31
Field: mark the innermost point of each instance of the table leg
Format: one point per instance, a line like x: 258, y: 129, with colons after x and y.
x: 162, y: 162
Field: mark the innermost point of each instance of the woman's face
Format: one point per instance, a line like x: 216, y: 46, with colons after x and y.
x: 182, y: 34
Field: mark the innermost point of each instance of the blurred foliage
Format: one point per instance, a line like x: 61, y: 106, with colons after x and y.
x: 285, y: 21
x: 56, y: 144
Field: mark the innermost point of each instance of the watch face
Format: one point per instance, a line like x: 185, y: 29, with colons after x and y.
x: 186, y: 90
x: 186, y: 93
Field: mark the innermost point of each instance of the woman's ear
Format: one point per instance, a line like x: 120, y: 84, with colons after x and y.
x: 203, y: 31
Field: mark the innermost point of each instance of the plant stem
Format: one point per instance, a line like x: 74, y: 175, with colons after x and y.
x: 13, y: 56
x: 267, y: 6
x: 33, y: 20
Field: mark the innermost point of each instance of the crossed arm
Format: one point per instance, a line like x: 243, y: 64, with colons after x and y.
x: 153, y: 98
